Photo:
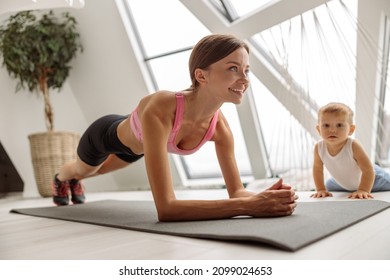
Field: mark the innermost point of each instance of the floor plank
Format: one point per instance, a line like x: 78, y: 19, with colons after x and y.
x: 34, y: 238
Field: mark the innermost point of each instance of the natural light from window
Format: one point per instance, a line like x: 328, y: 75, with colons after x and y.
x: 316, y: 50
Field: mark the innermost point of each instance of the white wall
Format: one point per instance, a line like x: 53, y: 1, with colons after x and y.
x: 105, y: 79
x: 22, y: 114
x: 371, y: 17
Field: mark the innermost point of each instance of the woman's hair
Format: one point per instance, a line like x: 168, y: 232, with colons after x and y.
x: 211, y: 49
x: 337, y: 108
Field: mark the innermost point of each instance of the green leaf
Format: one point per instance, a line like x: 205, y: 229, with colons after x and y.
x: 27, y: 41
x: 35, y: 48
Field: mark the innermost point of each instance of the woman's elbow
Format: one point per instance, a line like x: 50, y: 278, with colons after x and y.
x: 166, y: 214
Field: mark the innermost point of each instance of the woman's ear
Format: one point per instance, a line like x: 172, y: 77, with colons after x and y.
x: 200, y: 75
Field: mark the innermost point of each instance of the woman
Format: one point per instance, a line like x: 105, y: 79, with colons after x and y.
x: 167, y: 122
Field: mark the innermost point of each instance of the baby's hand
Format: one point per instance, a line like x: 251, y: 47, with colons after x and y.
x: 360, y: 195
x: 321, y: 194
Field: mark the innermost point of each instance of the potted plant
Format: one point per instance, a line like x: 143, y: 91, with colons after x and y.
x: 37, y: 51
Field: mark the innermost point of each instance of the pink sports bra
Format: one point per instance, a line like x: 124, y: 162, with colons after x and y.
x: 136, y: 127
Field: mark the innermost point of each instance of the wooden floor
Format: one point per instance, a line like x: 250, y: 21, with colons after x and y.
x: 28, y: 238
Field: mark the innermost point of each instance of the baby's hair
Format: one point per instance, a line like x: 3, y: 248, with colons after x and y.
x: 337, y: 108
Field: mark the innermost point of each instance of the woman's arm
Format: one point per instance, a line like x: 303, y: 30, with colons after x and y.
x: 156, y: 127
x: 278, y: 200
x: 156, y: 121
x: 224, y: 148
x: 155, y: 134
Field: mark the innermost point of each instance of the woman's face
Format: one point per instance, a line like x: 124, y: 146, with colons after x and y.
x: 228, y: 77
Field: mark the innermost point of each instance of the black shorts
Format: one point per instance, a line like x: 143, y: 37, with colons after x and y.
x: 100, y: 140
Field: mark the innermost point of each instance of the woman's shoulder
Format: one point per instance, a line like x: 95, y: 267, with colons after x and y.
x: 161, y: 104
x: 163, y: 94
x: 158, y: 99
x: 222, y: 128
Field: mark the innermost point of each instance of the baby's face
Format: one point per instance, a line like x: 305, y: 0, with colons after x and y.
x: 334, y: 127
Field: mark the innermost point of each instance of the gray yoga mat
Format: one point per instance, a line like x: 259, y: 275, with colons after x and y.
x: 310, y: 222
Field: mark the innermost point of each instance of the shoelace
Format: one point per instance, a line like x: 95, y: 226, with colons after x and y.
x: 76, y: 188
x: 62, y: 190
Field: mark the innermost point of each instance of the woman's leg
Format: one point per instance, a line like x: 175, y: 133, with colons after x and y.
x: 99, y: 152
x: 112, y: 163
x: 68, y: 179
x: 79, y: 170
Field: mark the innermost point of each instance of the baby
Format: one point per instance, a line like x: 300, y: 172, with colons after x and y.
x: 344, y: 157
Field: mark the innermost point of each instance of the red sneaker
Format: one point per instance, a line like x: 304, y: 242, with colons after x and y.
x: 60, y: 192
x: 77, y: 191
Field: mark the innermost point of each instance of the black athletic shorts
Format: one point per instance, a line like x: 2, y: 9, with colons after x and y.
x: 100, y: 140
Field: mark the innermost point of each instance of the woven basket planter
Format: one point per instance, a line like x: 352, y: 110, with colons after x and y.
x: 49, y: 151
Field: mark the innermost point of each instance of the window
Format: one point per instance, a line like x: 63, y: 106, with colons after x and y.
x: 383, y: 140
x: 167, y: 39
x: 314, y: 53
x: 312, y: 56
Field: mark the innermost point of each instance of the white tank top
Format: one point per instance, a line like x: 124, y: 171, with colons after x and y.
x: 342, y: 166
